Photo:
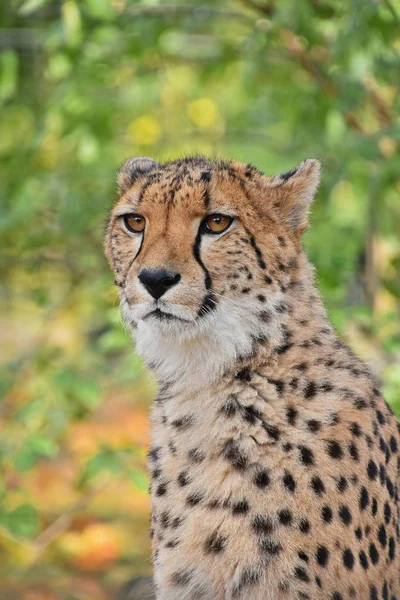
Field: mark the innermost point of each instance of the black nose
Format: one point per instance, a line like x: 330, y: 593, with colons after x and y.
x: 159, y: 281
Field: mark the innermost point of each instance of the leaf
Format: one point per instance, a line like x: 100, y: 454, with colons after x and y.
x: 22, y: 521
x: 140, y: 480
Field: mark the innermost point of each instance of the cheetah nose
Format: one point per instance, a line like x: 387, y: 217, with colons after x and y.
x: 158, y: 281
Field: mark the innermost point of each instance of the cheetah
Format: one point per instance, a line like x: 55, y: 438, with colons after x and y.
x: 274, y: 457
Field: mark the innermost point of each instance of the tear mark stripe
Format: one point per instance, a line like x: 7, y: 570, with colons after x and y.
x: 210, y: 301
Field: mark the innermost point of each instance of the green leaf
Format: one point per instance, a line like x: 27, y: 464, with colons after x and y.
x: 22, y: 521
x: 140, y: 480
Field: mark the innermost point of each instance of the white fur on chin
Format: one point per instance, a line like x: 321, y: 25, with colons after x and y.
x: 189, y: 355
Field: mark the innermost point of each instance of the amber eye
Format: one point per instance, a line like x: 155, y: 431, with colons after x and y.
x: 134, y: 222
x: 216, y: 223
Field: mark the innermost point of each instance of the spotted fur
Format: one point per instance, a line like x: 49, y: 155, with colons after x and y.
x: 274, y: 458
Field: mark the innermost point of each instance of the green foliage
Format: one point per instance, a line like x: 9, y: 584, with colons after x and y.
x: 85, y: 84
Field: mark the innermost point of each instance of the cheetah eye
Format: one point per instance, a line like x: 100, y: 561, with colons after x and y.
x: 216, y: 223
x: 134, y: 222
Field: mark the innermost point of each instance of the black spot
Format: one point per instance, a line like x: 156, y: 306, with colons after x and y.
x: 364, y: 498
x: 291, y: 414
x: 304, y: 526
x: 334, y: 450
x: 301, y: 367
x: 373, y: 554
x: 380, y: 417
x: 257, y: 252
x: 261, y: 524
x: 289, y: 482
x: 387, y: 512
x: 310, y: 390
x: 272, y: 431
x: 374, y: 506
x: 261, y: 478
x: 183, y: 479
x: 327, y: 514
x: 359, y: 403
x: 382, y: 536
x: 373, y: 593
x: 301, y: 574
x: 285, y: 517
x: 281, y: 240
x: 348, y: 559
x: 161, y: 489
x: 265, y: 316
x: 183, y: 423
x: 165, y: 518
x: 392, y: 548
x: 215, y: 544
x: 306, y: 455
x: 195, y: 498
x: 248, y: 576
x: 322, y: 556
x: 244, y: 375
x: 353, y: 451
x: 196, y: 455
x: 372, y: 470
x: 313, y: 425
x: 390, y: 487
x: 363, y: 560
x: 345, y: 515
x: 269, y: 546
x: 382, y: 474
x: 393, y: 444
x: 235, y: 455
x: 182, y: 577
x: 342, y: 484
x: 176, y: 522
x: 240, y: 508
x: 279, y: 385
x: 205, y: 176
x: 154, y: 453
x: 356, y: 429
x: 317, y: 485
x: 303, y: 556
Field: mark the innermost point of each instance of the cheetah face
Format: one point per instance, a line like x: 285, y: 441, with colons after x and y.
x: 198, y: 249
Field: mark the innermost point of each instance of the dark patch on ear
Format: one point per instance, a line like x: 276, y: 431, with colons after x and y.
x: 132, y: 169
x: 205, y: 176
x: 289, y: 174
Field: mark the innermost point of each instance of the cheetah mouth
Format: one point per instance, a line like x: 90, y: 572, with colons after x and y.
x: 164, y: 316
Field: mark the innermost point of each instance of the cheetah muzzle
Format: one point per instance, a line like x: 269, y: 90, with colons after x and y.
x: 274, y: 458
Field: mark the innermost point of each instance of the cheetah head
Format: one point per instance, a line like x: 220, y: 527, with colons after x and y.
x: 202, y: 253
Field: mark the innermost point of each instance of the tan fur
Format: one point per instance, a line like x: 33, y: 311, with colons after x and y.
x: 274, y: 458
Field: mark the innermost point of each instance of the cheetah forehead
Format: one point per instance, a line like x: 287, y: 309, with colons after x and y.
x: 195, y: 182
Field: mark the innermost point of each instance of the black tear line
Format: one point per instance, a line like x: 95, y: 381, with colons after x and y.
x: 210, y: 301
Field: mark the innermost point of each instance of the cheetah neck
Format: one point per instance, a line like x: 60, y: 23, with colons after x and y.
x: 235, y: 338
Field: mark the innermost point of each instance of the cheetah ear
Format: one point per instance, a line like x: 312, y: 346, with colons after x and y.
x: 295, y: 192
x: 132, y: 169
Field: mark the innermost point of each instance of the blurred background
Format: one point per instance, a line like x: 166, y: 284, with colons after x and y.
x: 85, y: 84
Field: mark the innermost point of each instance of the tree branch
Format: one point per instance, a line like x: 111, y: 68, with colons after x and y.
x: 172, y: 10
